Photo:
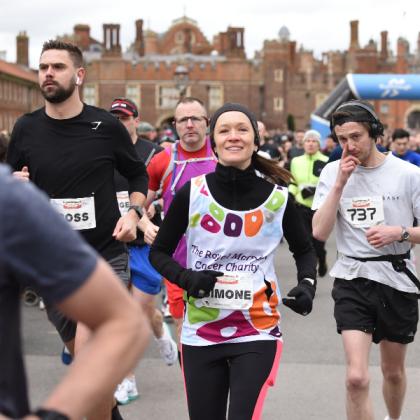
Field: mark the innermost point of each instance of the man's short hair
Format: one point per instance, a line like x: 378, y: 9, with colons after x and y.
x: 189, y: 100
x: 400, y: 133
x: 145, y: 127
x: 357, y: 111
x: 73, y: 50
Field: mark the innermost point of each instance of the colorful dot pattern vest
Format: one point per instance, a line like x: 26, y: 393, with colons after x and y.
x: 237, y: 243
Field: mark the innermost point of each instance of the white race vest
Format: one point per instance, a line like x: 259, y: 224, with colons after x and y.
x: 79, y: 212
x: 241, y: 244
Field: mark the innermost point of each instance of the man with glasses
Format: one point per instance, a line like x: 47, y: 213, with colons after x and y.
x: 168, y: 171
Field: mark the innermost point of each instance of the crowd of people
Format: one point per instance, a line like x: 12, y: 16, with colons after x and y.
x: 199, y: 209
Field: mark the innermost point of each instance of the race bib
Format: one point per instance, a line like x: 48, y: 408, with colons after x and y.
x: 232, y: 291
x: 79, y: 212
x: 363, y: 212
x: 123, y: 201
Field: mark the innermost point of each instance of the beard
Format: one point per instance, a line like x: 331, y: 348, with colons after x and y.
x: 58, y: 94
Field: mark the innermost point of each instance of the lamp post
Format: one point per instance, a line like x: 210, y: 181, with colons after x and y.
x: 181, y: 79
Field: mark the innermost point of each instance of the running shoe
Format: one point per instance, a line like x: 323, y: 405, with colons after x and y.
x: 121, y: 393
x: 167, y: 346
x: 41, y: 305
x: 165, y: 309
x: 131, y: 387
x: 66, y: 356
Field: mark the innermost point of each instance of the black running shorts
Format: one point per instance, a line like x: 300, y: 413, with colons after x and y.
x: 374, y: 308
x: 66, y: 327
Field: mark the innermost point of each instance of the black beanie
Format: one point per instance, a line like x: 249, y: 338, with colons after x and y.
x: 230, y: 106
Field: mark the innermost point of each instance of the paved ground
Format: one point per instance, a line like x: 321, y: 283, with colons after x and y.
x: 309, y: 383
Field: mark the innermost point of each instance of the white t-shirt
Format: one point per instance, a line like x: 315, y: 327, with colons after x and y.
x: 388, y: 194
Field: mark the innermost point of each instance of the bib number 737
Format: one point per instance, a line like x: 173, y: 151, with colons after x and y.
x: 363, y: 212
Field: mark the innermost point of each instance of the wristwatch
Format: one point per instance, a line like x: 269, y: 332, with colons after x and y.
x: 45, y: 414
x: 405, y: 235
x: 137, y: 209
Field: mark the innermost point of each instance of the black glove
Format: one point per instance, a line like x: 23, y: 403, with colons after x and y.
x: 198, y: 284
x: 307, y: 192
x: 300, y: 298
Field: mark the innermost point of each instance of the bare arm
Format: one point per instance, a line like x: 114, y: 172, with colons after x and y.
x: 151, y: 196
x: 379, y: 236
x: 324, y: 218
x: 126, y: 227
x: 120, y: 335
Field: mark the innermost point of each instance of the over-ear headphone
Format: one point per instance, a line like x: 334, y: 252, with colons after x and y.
x: 376, y: 128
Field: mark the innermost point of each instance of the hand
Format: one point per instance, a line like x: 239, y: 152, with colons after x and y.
x: 348, y: 164
x: 381, y: 235
x: 198, y: 284
x: 126, y: 227
x: 151, y: 211
x: 23, y: 175
x: 150, y: 233
x: 300, y: 298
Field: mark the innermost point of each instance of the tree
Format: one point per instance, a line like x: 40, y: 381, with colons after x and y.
x: 290, y: 122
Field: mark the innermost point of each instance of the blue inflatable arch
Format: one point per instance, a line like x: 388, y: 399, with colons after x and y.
x: 365, y: 86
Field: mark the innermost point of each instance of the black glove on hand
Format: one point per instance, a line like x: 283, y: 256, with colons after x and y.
x: 198, y: 284
x: 300, y: 298
x: 307, y: 192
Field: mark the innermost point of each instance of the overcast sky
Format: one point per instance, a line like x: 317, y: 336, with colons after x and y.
x: 317, y: 25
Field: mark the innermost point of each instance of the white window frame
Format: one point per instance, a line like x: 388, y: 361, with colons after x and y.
x: 278, y: 104
x: 90, y: 94
x: 133, y: 92
x: 216, y: 96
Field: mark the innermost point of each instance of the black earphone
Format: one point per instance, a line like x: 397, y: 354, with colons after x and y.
x: 376, y: 127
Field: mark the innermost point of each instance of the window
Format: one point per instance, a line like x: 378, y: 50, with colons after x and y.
x: 278, y: 104
x: 238, y: 39
x: 168, y: 97
x: 278, y: 75
x: 132, y: 92
x: 384, y: 108
x: 179, y: 37
x: 320, y: 98
x: 90, y: 94
x: 215, y: 97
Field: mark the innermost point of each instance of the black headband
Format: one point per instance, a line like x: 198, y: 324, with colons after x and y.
x: 230, y: 106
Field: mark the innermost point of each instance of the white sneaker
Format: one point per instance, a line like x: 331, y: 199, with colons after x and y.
x: 167, y: 346
x: 121, y: 393
x: 41, y: 304
x: 131, y: 387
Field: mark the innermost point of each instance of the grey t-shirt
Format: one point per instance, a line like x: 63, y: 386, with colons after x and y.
x: 37, y: 249
x: 388, y: 194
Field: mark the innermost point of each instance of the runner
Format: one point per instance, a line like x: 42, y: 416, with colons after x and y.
x: 372, y: 200
x: 35, y: 245
x: 171, y: 169
x: 233, y: 220
x: 145, y: 280
x: 70, y: 150
x: 306, y: 170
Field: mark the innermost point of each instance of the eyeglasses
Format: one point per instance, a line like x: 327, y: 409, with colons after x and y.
x: 194, y: 120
